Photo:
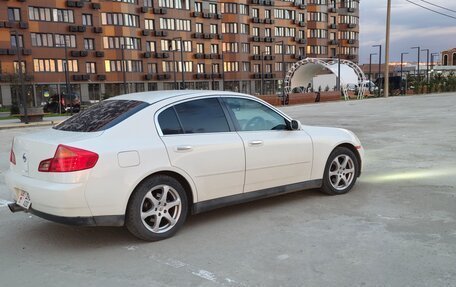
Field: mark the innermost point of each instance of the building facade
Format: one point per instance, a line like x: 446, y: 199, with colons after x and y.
x: 105, y: 48
x: 449, y: 57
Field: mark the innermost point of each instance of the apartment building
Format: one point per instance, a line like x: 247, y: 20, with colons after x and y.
x: 104, y: 48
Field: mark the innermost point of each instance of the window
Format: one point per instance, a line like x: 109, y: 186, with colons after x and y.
x: 130, y: 66
x: 101, y: 116
x: 53, y: 65
x: 255, y: 31
x: 126, y: 1
x: 127, y: 43
x: 149, y: 24
x: 255, y: 12
x: 169, y: 123
x: 175, y: 24
x: 213, y: 8
x: 14, y: 14
x: 243, y: 9
x: 150, y: 46
x: 252, y: 116
x: 229, y: 8
x: 202, y: 116
x: 246, y: 66
x: 61, y: 40
x: 51, y: 15
x: 89, y: 44
x: 120, y: 19
x: 200, y: 68
x: 214, y: 28
x: 214, y: 48
x: 177, y: 4
x: 22, y: 66
x: 87, y: 19
x: 16, y: 40
x: 215, y: 68
x: 42, y: 39
x: 91, y: 68
x: 198, y: 7
x: 199, y: 27
x: 152, y: 68
x: 200, y: 48
x: 245, y: 48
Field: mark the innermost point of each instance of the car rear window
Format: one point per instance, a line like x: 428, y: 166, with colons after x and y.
x: 101, y: 116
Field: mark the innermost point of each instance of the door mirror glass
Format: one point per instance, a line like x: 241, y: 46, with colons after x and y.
x: 295, y: 125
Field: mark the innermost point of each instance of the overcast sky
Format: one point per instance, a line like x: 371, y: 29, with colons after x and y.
x: 410, y: 26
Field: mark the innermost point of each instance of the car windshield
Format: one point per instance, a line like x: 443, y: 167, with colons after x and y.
x: 101, y: 116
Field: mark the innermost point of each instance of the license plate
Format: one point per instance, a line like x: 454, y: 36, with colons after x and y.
x: 24, y: 200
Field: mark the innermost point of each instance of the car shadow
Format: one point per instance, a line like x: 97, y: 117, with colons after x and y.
x: 257, y: 206
x: 86, y: 238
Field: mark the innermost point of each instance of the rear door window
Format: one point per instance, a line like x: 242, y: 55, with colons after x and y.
x: 169, y: 123
x: 197, y: 116
x: 202, y: 116
x: 101, y: 116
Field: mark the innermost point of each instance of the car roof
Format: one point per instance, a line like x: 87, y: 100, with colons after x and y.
x: 157, y: 96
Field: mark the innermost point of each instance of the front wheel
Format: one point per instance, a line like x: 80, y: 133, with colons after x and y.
x: 157, y: 208
x: 341, y: 171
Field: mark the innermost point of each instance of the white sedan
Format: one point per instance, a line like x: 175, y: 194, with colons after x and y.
x: 148, y: 160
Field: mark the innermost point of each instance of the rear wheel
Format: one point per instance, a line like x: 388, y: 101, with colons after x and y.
x: 341, y: 171
x: 157, y: 208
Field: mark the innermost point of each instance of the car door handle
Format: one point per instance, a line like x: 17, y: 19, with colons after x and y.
x: 256, y: 143
x: 184, y: 148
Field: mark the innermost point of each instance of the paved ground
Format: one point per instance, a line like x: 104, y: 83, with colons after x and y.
x: 396, y: 228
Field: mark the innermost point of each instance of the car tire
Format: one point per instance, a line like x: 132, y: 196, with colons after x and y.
x: 341, y: 171
x: 151, y: 217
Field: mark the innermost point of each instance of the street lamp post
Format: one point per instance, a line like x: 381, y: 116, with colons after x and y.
x: 427, y: 64
x: 174, y: 68
x: 283, y: 70
x: 21, y: 78
x: 182, y: 59
x: 338, y: 65
x: 402, y: 64
x: 419, y: 53
x: 387, y: 47
x: 370, y: 71
x: 67, y: 76
x: 433, y: 60
x: 262, y: 73
x: 223, y: 70
x: 379, y: 67
x: 124, y: 68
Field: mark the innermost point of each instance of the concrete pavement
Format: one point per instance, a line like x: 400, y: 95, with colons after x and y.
x: 397, y: 227
x: 16, y: 123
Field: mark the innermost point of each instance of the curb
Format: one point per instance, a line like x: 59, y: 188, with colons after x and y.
x: 21, y: 125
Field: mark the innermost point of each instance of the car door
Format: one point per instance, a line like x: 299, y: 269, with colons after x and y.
x: 201, y: 142
x: 275, y: 155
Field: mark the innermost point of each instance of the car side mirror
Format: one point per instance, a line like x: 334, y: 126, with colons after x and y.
x: 295, y: 125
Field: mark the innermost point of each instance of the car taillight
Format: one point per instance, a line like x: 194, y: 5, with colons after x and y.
x: 67, y: 159
x: 12, y: 155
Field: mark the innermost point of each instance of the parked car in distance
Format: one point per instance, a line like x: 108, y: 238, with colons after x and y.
x: 68, y: 103
x: 148, y: 160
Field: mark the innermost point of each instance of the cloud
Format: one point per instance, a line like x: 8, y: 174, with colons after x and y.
x: 410, y: 26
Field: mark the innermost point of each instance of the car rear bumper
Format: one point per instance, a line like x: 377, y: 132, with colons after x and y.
x: 57, y: 199
x: 110, y: 220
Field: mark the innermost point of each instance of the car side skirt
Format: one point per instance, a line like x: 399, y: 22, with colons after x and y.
x: 109, y: 220
x: 211, y: 204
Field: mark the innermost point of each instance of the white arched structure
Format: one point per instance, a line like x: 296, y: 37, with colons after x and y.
x: 302, y: 73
